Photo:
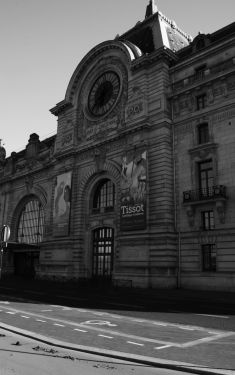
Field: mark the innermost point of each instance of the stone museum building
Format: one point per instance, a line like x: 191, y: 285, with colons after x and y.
x: 137, y: 188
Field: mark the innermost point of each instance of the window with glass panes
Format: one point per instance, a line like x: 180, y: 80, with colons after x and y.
x: 206, y: 178
x: 208, y: 220
x: 104, y: 196
x: 103, y: 252
x: 201, y: 101
x: 31, y: 223
x: 203, y: 133
x: 208, y: 257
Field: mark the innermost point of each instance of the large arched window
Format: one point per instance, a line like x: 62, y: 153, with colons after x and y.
x: 31, y: 223
x: 104, y: 196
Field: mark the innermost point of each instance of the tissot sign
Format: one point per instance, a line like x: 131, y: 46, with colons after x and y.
x: 133, y: 192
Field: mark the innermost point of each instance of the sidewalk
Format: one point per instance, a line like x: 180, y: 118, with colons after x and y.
x: 149, y: 297
x: 22, y: 355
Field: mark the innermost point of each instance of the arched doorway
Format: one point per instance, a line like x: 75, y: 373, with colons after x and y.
x: 102, y: 265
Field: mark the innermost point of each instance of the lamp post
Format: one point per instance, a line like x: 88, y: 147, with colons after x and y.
x: 5, y: 235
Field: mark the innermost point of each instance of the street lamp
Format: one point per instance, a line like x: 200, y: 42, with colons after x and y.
x: 5, y: 235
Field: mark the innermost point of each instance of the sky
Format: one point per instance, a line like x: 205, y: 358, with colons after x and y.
x: 43, y: 41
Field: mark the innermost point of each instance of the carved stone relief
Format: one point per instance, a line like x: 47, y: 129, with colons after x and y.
x: 137, y: 105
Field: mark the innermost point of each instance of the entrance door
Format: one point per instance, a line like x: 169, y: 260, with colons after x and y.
x: 103, y: 253
x: 25, y: 263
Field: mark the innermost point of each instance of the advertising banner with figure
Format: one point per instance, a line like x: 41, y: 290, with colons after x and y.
x: 133, y: 192
x: 61, y: 209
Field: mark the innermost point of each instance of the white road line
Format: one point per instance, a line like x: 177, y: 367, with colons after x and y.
x: 79, y: 330
x: 10, y: 312
x: 160, y: 324
x: 97, y: 313
x: 59, y: 325
x: 134, y: 343
x: 137, y: 320
x: 26, y: 317
x: 214, y: 316
x: 186, y: 328
x: 46, y: 310
x: 162, y: 347
x: 40, y: 320
x: 107, y: 337
x: 66, y: 309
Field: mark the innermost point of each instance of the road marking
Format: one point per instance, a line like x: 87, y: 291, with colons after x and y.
x: 66, y: 309
x: 107, y: 330
x: 10, y: 312
x: 24, y: 316
x: 138, y: 320
x: 214, y: 316
x: 46, y: 310
x: 160, y: 324
x: 186, y: 328
x: 107, y: 337
x: 59, y: 325
x: 5, y: 302
x: 40, y: 320
x: 163, y: 347
x: 79, y: 330
x: 100, y: 323
x: 97, y: 313
x: 134, y: 343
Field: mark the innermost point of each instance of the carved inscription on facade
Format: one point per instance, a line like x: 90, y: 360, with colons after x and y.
x: 101, y: 129
x: 136, y: 107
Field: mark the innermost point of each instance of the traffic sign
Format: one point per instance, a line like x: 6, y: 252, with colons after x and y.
x: 5, y: 233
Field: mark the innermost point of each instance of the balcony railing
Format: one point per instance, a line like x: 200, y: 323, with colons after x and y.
x: 210, y: 193
x: 202, y: 75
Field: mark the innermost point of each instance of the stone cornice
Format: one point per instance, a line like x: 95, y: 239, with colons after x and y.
x: 162, y: 53
x: 61, y: 107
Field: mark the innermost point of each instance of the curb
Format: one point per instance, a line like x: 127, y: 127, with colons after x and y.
x: 149, y: 361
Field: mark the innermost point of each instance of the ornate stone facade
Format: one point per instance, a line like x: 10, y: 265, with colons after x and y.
x: 148, y: 124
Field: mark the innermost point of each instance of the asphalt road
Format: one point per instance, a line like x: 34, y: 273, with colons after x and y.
x: 199, y: 338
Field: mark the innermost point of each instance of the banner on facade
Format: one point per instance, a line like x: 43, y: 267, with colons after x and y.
x: 61, y: 209
x: 133, y: 192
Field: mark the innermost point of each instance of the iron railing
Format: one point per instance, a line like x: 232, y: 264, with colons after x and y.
x: 210, y: 193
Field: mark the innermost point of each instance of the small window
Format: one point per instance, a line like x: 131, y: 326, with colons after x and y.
x: 208, y: 222
x: 203, y: 133
x: 201, y: 101
x: 209, y: 257
x: 104, y: 196
x: 200, y: 72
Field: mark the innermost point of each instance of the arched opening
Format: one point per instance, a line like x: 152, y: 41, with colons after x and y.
x: 30, y: 230
x: 31, y: 223
x: 104, y: 196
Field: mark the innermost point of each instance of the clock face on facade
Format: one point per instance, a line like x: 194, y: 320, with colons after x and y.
x: 104, y: 93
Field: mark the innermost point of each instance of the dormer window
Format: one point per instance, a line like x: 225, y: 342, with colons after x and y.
x: 203, y: 133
